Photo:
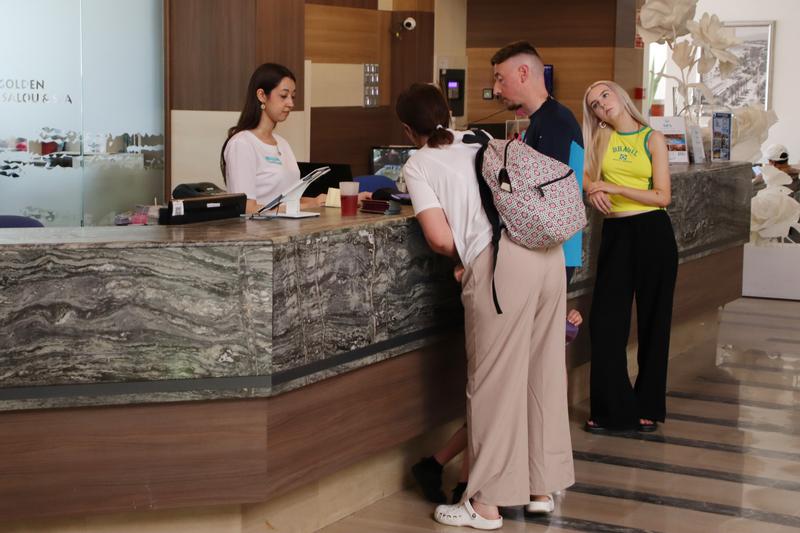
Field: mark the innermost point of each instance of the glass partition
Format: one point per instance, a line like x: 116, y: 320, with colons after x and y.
x: 81, y: 109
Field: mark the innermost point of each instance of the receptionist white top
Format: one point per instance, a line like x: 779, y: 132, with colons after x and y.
x: 257, y: 169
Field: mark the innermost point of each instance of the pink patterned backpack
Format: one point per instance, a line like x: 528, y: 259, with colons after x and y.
x: 536, y: 198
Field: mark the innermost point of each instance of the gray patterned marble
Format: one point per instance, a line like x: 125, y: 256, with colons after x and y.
x: 345, y: 290
x: 710, y: 212
x: 95, y: 315
x: 297, y: 301
x: 119, y: 317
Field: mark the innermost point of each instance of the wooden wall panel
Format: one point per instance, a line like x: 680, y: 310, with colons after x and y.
x: 346, y: 134
x: 707, y: 283
x: 280, y: 38
x: 413, y: 5
x: 128, y: 458
x: 412, y: 58
x: 574, y: 68
x: 342, y: 34
x: 98, y: 460
x: 344, y: 420
x: 211, y: 54
x: 385, y: 57
x: 576, y: 23
x: 628, y: 60
x: 480, y: 76
x: 363, y: 4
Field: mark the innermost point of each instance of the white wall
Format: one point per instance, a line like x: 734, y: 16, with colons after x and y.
x: 785, y: 73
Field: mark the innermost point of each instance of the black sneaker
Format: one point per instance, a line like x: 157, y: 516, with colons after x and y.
x: 458, y: 492
x: 428, y: 473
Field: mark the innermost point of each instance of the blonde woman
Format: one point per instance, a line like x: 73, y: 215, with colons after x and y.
x: 627, y: 179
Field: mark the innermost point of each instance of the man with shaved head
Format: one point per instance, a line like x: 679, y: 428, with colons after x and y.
x: 519, y: 83
x: 513, y: 452
x: 553, y: 130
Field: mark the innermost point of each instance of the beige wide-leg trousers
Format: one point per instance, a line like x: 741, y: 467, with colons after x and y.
x: 519, y: 441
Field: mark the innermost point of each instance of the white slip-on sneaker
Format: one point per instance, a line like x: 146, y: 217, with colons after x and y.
x: 544, y: 506
x: 464, y: 515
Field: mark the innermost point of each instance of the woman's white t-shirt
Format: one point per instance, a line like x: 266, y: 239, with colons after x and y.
x: 259, y: 170
x: 445, y: 177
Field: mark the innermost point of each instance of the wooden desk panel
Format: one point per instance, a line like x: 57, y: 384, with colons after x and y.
x: 100, y: 460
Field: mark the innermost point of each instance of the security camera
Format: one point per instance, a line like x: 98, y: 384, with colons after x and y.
x: 409, y: 23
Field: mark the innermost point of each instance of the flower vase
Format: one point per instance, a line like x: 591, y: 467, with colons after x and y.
x: 697, y: 113
x: 689, y: 105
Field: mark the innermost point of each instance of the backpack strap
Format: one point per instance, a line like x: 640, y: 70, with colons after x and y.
x: 487, y: 200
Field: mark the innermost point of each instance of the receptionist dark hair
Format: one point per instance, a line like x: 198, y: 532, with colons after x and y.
x: 266, y: 77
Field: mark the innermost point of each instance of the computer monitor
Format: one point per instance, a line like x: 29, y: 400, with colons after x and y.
x: 339, y: 172
x: 389, y: 160
x: 548, y: 79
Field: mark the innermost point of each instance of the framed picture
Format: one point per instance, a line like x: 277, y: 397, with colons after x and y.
x: 751, y: 81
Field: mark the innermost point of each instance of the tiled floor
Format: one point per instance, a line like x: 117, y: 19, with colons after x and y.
x: 728, y: 458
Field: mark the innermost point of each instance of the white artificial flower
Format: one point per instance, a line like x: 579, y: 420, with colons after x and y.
x: 751, y: 126
x: 775, y: 177
x: 773, y: 212
x: 714, y: 39
x: 665, y: 20
x: 682, y: 54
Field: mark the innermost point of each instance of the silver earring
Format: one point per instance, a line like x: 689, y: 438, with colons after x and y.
x: 602, y: 124
x: 263, y: 106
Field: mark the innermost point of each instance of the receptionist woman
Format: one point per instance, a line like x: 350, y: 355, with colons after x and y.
x: 255, y: 160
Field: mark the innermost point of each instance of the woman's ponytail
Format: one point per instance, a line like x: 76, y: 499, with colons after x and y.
x: 423, y: 108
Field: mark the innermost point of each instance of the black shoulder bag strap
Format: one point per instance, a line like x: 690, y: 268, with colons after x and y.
x: 487, y: 200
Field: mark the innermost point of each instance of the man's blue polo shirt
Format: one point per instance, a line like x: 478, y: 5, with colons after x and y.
x: 554, y: 132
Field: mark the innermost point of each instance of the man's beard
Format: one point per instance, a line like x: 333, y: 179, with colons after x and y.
x: 511, y: 106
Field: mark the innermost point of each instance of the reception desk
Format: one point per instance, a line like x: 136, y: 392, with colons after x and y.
x: 226, y: 309
x: 229, y: 361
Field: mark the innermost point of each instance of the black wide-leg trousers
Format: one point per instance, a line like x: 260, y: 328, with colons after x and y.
x: 638, y: 259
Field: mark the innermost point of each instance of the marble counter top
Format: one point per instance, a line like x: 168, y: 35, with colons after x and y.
x: 241, y: 308
x: 710, y: 212
x: 241, y: 230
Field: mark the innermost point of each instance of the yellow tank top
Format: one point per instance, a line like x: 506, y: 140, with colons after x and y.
x: 627, y: 162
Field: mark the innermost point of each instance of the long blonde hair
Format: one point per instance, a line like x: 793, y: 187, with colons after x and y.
x: 595, y: 137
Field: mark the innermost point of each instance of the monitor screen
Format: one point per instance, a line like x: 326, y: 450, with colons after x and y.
x: 389, y: 160
x: 548, y: 79
x: 339, y: 172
